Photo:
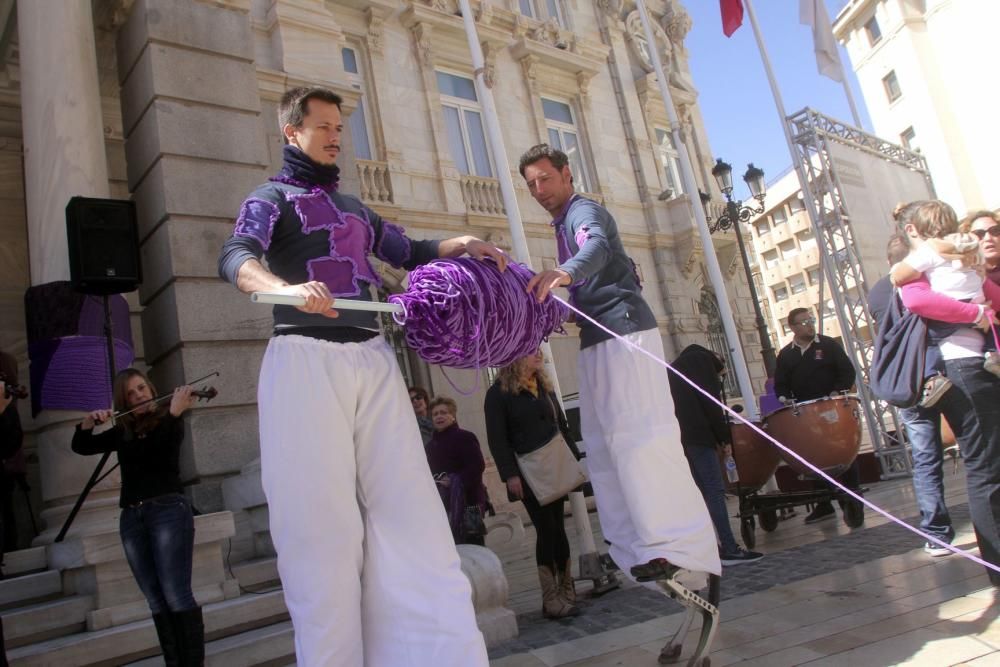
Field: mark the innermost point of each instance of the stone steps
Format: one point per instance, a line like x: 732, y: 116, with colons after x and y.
x: 29, y: 588
x: 46, y: 620
x: 257, y: 573
x: 123, y: 644
x: 24, y: 561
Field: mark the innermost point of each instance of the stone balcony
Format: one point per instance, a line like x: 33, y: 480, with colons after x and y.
x: 376, y: 185
x: 482, y: 195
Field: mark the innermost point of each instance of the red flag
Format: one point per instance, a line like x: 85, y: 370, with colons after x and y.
x: 732, y: 15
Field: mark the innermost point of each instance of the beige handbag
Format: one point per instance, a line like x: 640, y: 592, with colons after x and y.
x: 551, y: 471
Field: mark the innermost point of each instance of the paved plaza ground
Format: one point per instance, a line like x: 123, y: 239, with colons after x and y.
x: 824, y: 595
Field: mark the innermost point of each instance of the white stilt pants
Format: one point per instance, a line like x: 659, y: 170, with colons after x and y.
x: 646, y: 498
x: 370, y: 572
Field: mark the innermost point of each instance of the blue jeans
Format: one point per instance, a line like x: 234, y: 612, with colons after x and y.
x: 158, y: 537
x: 704, y: 464
x: 973, y: 412
x: 923, y: 428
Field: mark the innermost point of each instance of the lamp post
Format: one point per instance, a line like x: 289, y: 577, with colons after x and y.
x: 734, y: 214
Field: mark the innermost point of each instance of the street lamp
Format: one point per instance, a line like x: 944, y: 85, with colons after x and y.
x: 735, y: 213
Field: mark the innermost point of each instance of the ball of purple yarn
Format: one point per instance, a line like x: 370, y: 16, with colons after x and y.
x: 465, y: 313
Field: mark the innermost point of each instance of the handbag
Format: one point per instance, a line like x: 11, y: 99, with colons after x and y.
x: 897, y: 370
x: 551, y: 471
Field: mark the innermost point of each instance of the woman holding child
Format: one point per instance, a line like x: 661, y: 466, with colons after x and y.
x: 973, y: 407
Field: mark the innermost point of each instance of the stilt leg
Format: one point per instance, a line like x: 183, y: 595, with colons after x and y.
x: 696, y: 605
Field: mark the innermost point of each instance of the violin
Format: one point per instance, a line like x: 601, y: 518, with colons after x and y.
x: 11, y: 390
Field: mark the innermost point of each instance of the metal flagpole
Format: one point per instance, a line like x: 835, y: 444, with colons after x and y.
x: 691, y: 187
x: 590, y: 566
x: 850, y: 99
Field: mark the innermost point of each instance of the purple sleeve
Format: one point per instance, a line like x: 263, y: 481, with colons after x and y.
x: 252, y: 233
x: 394, y: 247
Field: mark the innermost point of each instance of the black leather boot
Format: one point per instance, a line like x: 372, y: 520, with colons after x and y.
x: 190, y: 629
x: 168, y: 638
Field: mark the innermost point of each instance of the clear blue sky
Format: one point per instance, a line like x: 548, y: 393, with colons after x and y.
x: 734, y: 94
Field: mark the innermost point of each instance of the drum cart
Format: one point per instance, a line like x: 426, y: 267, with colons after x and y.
x: 762, y: 508
x: 825, y: 431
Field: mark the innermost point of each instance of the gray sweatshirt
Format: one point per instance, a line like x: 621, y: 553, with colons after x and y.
x: 605, y: 283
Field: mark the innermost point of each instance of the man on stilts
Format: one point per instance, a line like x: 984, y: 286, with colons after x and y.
x: 370, y: 571
x: 651, y: 510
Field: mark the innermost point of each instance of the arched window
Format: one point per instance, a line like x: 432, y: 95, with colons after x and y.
x: 708, y: 306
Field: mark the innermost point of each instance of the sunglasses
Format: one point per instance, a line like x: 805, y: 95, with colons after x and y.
x: 993, y: 231
x: 811, y: 320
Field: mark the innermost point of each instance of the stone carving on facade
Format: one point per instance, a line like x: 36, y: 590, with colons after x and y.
x: 610, y: 7
x: 732, y: 266
x: 686, y: 121
x: 423, y: 38
x: 677, y: 24
x: 489, y: 64
x: 693, y: 255
x: 440, y: 5
x: 485, y: 14
x: 548, y: 33
x: 583, y: 80
x: 375, y: 21
x: 636, y: 36
x: 521, y: 26
x: 530, y: 73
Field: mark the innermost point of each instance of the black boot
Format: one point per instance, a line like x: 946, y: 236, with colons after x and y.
x: 168, y: 638
x: 190, y: 629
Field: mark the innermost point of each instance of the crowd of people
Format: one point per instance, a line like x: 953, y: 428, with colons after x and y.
x: 337, y: 440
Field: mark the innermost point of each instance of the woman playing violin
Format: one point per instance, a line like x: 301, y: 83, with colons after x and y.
x: 157, y: 525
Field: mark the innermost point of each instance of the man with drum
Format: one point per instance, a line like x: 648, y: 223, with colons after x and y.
x: 814, y: 366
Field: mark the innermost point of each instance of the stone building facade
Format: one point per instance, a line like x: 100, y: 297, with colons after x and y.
x: 172, y: 103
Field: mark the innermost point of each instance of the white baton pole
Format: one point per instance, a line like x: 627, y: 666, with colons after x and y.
x: 338, y: 304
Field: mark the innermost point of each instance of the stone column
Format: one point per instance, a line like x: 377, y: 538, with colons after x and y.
x: 195, y: 148
x: 64, y: 156
x: 62, y: 127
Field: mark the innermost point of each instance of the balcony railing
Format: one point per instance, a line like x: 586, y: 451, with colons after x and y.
x: 376, y: 186
x: 482, y: 195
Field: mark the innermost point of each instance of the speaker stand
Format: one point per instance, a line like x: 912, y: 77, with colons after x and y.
x: 96, y: 477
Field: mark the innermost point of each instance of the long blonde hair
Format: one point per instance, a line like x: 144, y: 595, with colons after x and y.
x: 509, y: 378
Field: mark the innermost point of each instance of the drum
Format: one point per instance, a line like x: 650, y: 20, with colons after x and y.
x: 756, y: 458
x: 826, y: 432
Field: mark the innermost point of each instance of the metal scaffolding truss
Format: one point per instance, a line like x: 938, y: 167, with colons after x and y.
x: 811, y: 134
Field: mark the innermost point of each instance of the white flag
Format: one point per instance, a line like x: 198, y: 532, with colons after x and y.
x: 813, y: 13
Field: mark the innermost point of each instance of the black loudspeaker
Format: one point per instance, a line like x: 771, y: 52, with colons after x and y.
x: 103, y: 236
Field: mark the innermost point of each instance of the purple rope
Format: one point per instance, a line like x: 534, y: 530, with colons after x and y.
x: 786, y: 450
x: 464, y: 313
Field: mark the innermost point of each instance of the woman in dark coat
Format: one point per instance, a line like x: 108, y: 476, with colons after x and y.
x: 523, y: 414
x: 156, y: 524
x: 457, y: 464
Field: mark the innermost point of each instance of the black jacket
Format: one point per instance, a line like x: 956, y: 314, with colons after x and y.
x: 823, y: 369
x: 150, y: 464
x: 521, y: 423
x: 702, y: 421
